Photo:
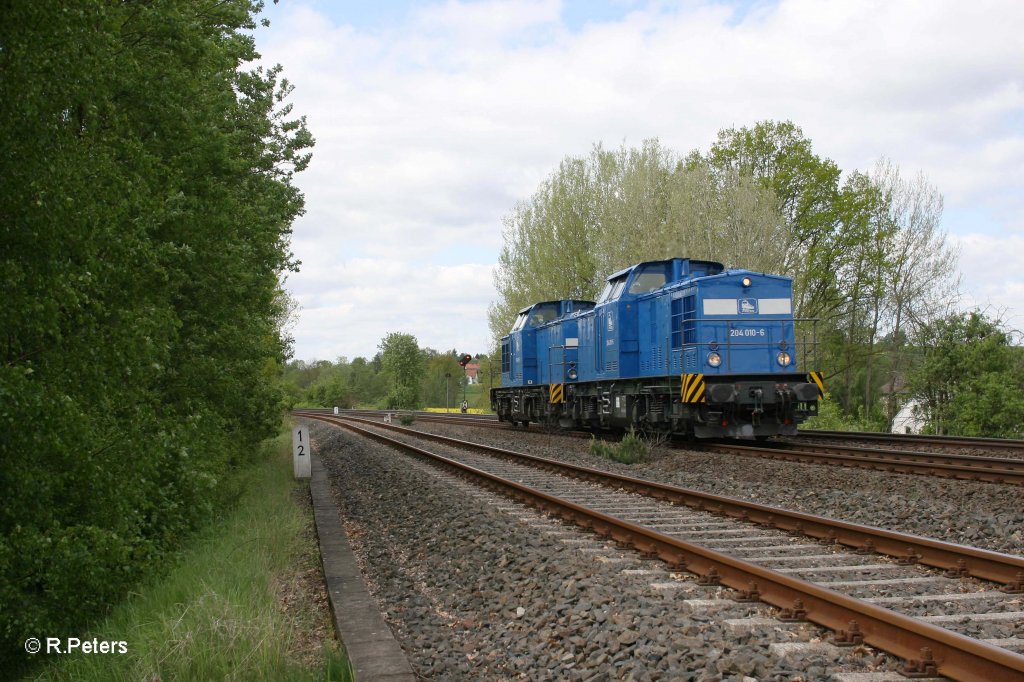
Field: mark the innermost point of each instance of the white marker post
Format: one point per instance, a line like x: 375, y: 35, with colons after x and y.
x: 301, y: 452
x: 335, y: 410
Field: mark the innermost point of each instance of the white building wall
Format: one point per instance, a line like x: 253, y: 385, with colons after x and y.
x: 906, y: 421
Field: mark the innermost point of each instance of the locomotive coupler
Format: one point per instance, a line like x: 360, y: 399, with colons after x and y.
x: 755, y: 413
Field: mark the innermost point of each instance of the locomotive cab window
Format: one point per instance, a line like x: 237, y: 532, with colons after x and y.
x: 612, y: 290
x: 543, y: 314
x: 520, y: 321
x: 650, y: 278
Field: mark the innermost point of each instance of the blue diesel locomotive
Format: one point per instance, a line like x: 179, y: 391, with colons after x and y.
x: 675, y: 346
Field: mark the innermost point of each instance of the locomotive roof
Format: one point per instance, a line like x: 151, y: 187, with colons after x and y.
x: 666, y: 260
x: 557, y: 300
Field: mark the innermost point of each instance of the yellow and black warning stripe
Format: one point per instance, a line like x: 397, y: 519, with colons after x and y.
x: 693, y: 388
x: 816, y: 379
x: 557, y: 394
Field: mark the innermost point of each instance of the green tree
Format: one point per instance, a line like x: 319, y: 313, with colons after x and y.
x: 403, y: 367
x: 334, y: 387
x: 724, y: 216
x: 145, y: 215
x: 921, y: 282
x: 549, y: 244
x: 970, y: 380
x: 443, y: 378
x: 367, y: 381
x: 806, y: 189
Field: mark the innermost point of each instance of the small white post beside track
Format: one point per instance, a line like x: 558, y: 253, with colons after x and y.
x: 301, y: 452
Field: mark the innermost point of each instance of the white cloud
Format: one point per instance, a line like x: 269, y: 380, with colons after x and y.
x: 430, y: 129
x: 352, y: 305
x: 992, y: 274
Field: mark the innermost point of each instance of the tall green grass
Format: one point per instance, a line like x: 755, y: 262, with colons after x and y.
x: 217, y: 614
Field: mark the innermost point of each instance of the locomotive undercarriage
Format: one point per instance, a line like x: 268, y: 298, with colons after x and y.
x: 742, y: 407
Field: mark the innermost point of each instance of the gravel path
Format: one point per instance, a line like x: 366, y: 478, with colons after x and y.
x: 477, y: 587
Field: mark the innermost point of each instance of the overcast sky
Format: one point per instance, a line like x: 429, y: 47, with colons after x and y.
x: 433, y: 119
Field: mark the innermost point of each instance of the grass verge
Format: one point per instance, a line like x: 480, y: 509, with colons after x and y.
x: 246, y: 601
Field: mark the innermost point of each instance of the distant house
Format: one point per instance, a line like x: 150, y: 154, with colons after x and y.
x: 473, y: 372
x: 908, y: 419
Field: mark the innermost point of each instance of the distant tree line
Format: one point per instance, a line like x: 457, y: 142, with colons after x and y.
x: 865, y: 249
x: 400, y: 376
x: 145, y: 213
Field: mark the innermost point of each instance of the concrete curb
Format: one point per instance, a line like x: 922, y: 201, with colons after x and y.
x: 372, y: 649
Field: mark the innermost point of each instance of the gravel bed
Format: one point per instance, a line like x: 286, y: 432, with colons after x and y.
x: 985, y: 515
x: 477, y: 587
x: 812, y: 561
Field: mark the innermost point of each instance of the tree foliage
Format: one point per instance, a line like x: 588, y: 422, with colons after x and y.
x: 145, y: 215
x: 970, y: 380
x: 402, y: 365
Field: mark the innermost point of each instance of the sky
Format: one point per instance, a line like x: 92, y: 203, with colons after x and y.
x: 433, y: 119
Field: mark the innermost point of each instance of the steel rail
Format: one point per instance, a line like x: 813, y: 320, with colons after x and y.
x: 1003, y: 443
x: 1011, y: 471
x: 979, y: 461
x: 922, y: 645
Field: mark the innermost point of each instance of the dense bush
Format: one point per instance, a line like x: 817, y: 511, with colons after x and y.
x: 630, y: 450
x: 144, y: 220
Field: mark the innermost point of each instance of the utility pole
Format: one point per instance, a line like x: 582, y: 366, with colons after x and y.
x: 447, y: 383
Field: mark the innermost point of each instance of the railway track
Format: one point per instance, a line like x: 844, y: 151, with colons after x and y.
x: 1004, y: 470
x: 752, y: 549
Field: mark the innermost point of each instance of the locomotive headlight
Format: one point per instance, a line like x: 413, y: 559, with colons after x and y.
x: 714, y: 359
x: 746, y: 281
x: 783, y: 358
x: 572, y: 374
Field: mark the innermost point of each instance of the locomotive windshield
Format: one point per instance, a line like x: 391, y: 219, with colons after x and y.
x: 650, y: 278
x: 543, y: 313
x: 520, y: 321
x: 612, y: 290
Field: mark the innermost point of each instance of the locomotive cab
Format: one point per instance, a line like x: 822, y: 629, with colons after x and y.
x: 541, y: 349
x: 736, y: 343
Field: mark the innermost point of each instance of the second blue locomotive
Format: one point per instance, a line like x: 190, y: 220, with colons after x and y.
x: 677, y: 346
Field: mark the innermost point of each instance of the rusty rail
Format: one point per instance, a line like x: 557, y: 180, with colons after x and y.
x: 952, y: 441
x: 964, y: 467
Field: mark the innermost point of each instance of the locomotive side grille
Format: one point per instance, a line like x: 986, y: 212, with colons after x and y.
x: 654, y: 361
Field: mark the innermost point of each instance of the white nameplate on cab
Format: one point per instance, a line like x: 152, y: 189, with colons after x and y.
x: 301, y: 452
